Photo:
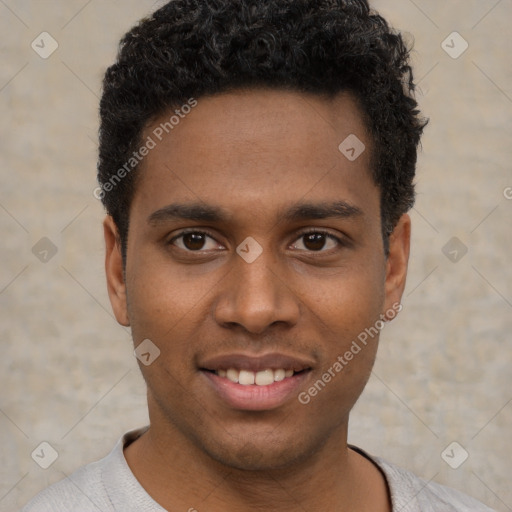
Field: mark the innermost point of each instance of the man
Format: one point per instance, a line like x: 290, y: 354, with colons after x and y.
x: 256, y: 163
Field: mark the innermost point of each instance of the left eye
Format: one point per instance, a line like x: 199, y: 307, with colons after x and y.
x: 316, y: 241
x: 195, y: 241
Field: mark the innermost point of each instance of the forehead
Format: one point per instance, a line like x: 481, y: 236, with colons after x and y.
x: 248, y: 147
x: 279, y: 119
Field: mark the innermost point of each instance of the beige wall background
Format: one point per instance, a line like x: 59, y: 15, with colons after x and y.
x: 68, y: 376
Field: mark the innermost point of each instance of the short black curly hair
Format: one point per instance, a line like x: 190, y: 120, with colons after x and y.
x: 191, y: 48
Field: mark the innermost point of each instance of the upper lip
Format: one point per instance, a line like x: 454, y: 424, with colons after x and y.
x: 255, y: 363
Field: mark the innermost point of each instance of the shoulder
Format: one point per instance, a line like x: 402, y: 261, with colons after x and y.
x: 82, y: 490
x: 410, y: 493
x: 105, y: 485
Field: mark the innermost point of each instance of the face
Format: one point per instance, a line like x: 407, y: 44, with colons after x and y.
x: 254, y: 261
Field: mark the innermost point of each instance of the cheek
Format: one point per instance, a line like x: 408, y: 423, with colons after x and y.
x: 350, y: 300
x: 155, y: 305
x: 163, y: 314
x: 347, y: 312
x: 161, y: 295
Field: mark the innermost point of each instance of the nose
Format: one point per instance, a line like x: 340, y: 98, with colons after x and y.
x: 255, y: 296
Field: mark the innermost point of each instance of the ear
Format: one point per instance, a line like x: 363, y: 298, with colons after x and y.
x: 114, y: 270
x: 396, y: 266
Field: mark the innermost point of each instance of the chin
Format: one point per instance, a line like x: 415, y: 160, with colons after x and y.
x: 262, y: 455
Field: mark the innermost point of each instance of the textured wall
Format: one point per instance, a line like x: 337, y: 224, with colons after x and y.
x: 68, y: 376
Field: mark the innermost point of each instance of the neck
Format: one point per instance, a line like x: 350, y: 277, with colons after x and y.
x: 180, y: 476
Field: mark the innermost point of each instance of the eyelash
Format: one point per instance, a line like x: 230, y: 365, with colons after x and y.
x: 340, y: 242
x: 327, y: 234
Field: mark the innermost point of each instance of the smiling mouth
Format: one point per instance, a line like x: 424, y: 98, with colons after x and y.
x: 259, y: 378
x: 250, y: 382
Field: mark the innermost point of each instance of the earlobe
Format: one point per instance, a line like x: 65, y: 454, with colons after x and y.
x: 396, y: 266
x: 114, y: 271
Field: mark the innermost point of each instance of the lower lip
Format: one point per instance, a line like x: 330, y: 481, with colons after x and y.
x: 253, y: 397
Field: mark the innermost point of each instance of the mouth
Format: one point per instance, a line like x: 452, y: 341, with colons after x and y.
x: 251, y: 378
x: 246, y: 382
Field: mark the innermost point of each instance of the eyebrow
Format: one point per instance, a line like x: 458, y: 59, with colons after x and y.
x: 189, y: 211
x: 206, y: 213
x: 311, y: 211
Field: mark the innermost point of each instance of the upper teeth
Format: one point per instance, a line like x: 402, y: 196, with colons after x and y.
x: 262, y: 378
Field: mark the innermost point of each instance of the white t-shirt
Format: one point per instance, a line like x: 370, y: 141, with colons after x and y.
x: 109, y: 486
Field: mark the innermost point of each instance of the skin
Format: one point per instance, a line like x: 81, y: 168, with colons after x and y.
x: 255, y: 154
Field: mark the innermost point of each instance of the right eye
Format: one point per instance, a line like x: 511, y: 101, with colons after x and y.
x: 195, y: 241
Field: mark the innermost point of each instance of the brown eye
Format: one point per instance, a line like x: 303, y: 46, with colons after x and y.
x: 317, y: 241
x: 314, y: 241
x: 194, y: 241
